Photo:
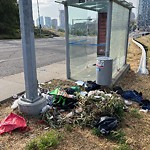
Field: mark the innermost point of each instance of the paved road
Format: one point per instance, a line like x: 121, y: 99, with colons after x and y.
x: 48, y: 51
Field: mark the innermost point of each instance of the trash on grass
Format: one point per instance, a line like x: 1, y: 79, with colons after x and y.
x: 80, y: 83
x: 15, y: 96
x: 11, y: 122
x: 107, y: 124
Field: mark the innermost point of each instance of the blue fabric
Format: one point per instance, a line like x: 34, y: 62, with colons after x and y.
x: 132, y: 95
x: 146, y: 107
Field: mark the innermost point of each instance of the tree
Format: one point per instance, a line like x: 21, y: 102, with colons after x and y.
x: 9, y: 17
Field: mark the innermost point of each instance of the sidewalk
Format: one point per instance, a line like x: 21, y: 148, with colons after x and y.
x: 14, y: 84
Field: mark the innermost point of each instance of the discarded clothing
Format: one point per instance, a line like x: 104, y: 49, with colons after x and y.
x: 107, y: 124
x: 145, y: 104
x: 91, y: 86
x: 11, y: 122
x: 72, y: 90
x: 62, y: 100
x: 132, y: 95
x: 129, y: 94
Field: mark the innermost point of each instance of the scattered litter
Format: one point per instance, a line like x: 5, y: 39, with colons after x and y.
x: 129, y: 94
x: 45, y: 108
x: 80, y: 83
x: 128, y: 103
x: 15, y: 96
x: 90, y: 86
x: 46, y: 128
x: 15, y: 104
x: 83, y: 93
x: 107, y: 124
x: 79, y: 110
x: 71, y: 114
x: 11, y: 122
x: 145, y: 104
x: 144, y: 110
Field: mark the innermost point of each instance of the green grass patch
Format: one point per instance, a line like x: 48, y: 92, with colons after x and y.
x: 46, y: 141
x: 96, y: 132
x: 117, y: 136
x: 124, y: 146
x: 68, y: 128
x: 135, y: 113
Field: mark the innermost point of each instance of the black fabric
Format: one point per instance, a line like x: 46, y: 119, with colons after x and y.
x: 107, y: 124
x: 69, y: 90
x: 91, y: 86
x: 118, y: 90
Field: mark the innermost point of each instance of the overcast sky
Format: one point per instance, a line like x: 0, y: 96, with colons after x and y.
x: 51, y: 9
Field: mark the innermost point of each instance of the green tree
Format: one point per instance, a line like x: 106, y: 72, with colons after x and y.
x: 9, y: 17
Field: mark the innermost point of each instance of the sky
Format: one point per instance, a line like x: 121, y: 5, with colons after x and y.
x: 51, y: 9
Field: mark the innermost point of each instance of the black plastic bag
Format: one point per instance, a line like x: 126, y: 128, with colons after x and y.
x: 106, y: 124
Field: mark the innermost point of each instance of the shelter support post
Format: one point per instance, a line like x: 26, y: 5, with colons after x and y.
x: 67, y: 42
x: 108, y: 28
x: 127, y: 38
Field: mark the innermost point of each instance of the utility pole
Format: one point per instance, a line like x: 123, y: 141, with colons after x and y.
x: 32, y: 103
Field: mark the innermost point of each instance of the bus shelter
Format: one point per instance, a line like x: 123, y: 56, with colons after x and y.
x: 95, y: 28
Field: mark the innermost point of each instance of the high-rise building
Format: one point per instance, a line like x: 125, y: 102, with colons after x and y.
x: 48, y: 22
x: 144, y: 14
x: 41, y: 20
x: 54, y: 23
x: 62, y: 19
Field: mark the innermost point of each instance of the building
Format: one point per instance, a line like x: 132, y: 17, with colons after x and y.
x: 54, y: 24
x: 143, y: 14
x: 41, y: 20
x: 62, y: 19
x: 48, y: 22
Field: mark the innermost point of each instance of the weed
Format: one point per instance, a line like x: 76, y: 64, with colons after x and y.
x: 124, y: 146
x: 68, y: 127
x: 44, y: 142
x: 118, y: 136
x: 96, y: 131
x: 135, y: 113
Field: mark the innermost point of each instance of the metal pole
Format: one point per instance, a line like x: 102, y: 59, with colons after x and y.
x: 127, y: 37
x: 39, y: 17
x: 108, y: 28
x: 28, y: 46
x: 67, y: 42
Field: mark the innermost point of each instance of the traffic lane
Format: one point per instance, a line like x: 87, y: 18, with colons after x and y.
x: 48, y: 51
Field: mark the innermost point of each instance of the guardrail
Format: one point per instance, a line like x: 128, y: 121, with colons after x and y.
x: 142, y: 66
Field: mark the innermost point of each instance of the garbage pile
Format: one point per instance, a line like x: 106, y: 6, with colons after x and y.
x: 85, y: 104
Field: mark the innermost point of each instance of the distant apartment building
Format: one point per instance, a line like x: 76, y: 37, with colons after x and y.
x: 54, y: 24
x: 41, y: 21
x: 48, y: 23
x: 62, y: 19
x: 144, y: 14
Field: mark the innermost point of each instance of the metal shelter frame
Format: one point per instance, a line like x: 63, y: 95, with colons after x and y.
x: 98, y: 6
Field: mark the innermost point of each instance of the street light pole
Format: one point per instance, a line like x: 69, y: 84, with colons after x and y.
x: 31, y: 104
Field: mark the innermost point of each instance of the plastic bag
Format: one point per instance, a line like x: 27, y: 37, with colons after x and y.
x: 11, y: 122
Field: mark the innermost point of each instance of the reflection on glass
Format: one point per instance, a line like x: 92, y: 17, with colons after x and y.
x: 82, y: 43
x: 119, y: 31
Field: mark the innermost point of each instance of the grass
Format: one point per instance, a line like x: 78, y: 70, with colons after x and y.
x: 116, y: 136
x: 135, y: 113
x: 49, y: 140
x: 68, y: 128
x: 123, y: 147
